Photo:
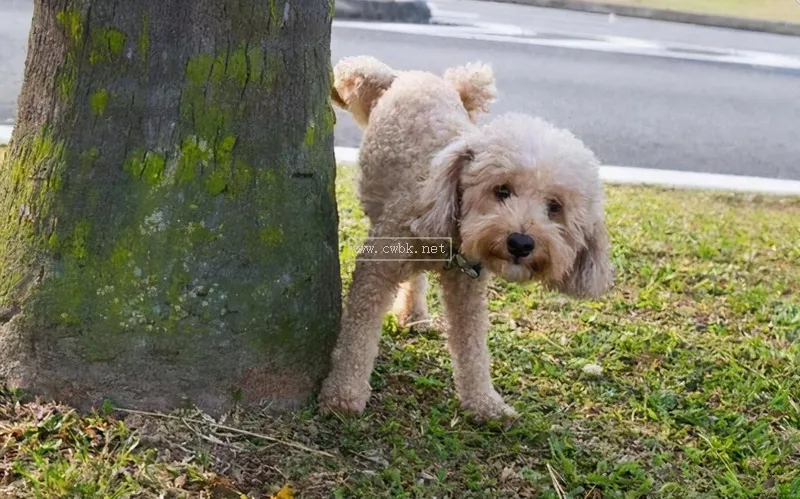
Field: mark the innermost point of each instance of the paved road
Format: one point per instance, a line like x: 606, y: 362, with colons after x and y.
x: 15, y: 22
x: 598, y: 24
x: 634, y: 110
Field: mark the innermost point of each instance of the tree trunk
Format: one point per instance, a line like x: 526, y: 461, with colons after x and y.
x: 167, y: 211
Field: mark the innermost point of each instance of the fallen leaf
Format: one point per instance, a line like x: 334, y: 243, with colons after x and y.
x: 593, y: 370
x: 285, y: 493
x: 180, y: 482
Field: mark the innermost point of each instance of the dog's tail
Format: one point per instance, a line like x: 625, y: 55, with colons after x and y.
x: 358, y: 83
x: 475, y: 84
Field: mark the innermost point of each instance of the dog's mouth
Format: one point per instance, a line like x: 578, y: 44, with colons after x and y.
x: 513, y: 268
x: 513, y: 271
x: 508, y: 267
x: 535, y: 262
x: 517, y: 269
x: 536, y: 266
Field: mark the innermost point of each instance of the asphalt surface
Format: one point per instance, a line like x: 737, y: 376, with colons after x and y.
x: 598, y: 24
x: 633, y: 110
x: 15, y: 23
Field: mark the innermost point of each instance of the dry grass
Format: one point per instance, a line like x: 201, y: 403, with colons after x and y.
x: 771, y: 10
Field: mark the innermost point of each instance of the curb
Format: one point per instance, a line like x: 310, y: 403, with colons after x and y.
x: 673, y: 179
x: 776, y: 27
x: 399, y: 11
x: 631, y: 175
x: 5, y: 134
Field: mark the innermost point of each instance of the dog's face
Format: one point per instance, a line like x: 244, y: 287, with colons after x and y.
x: 525, y: 200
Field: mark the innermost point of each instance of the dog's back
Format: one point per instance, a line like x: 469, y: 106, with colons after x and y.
x: 418, y: 116
x: 407, y: 118
x: 360, y: 82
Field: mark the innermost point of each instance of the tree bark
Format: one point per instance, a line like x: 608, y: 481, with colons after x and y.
x: 167, y: 211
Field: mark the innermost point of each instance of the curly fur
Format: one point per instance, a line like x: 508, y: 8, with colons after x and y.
x: 427, y: 169
x: 475, y: 85
x: 360, y: 81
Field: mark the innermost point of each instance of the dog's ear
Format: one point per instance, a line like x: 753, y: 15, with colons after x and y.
x: 592, y: 273
x: 439, y: 201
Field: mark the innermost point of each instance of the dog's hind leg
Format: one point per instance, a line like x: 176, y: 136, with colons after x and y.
x: 411, y: 306
x: 346, y: 389
x: 466, y: 307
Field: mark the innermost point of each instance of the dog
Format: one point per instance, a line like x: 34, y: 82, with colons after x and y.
x: 519, y: 198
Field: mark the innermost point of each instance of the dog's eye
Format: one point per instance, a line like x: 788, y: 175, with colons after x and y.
x: 502, y: 192
x: 553, y: 207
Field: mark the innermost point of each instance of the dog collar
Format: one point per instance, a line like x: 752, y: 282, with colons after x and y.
x: 458, y: 261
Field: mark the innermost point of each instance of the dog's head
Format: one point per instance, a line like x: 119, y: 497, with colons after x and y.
x: 525, y: 200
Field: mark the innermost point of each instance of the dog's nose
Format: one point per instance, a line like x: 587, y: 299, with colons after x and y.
x: 520, y: 245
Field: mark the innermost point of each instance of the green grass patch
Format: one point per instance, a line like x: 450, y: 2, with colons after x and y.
x: 769, y: 10
x: 699, y: 345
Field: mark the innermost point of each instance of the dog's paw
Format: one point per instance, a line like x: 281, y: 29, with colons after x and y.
x: 488, y: 407
x: 341, y: 399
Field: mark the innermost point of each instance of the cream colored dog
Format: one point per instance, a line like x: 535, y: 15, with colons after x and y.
x: 519, y: 198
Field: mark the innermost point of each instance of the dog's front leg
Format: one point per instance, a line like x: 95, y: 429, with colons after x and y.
x: 346, y: 388
x: 466, y: 307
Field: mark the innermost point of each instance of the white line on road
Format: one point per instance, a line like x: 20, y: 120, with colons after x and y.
x: 5, y: 133
x: 696, y: 180
x: 665, y: 178
x: 437, y: 13
x: 346, y: 154
x: 505, y: 33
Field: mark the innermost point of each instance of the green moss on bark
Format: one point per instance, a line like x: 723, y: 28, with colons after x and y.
x: 272, y: 236
x: 237, y: 66
x: 71, y: 22
x: 275, y: 15
x: 149, y: 280
x: 106, y: 44
x: 179, y: 222
x: 147, y: 166
x: 99, y: 101
x: 144, y: 40
x: 31, y: 177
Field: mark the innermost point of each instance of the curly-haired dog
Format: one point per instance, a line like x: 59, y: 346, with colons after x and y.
x: 520, y: 199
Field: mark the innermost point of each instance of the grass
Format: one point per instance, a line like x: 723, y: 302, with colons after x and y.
x: 771, y: 10
x: 699, y: 345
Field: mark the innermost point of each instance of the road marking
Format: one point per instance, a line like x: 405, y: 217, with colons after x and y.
x: 664, y: 178
x: 633, y: 42
x: 697, y: 180
x: 346, y: 154
x: 505, y: 33
x: 438, y: 13
x: 5, y: 133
